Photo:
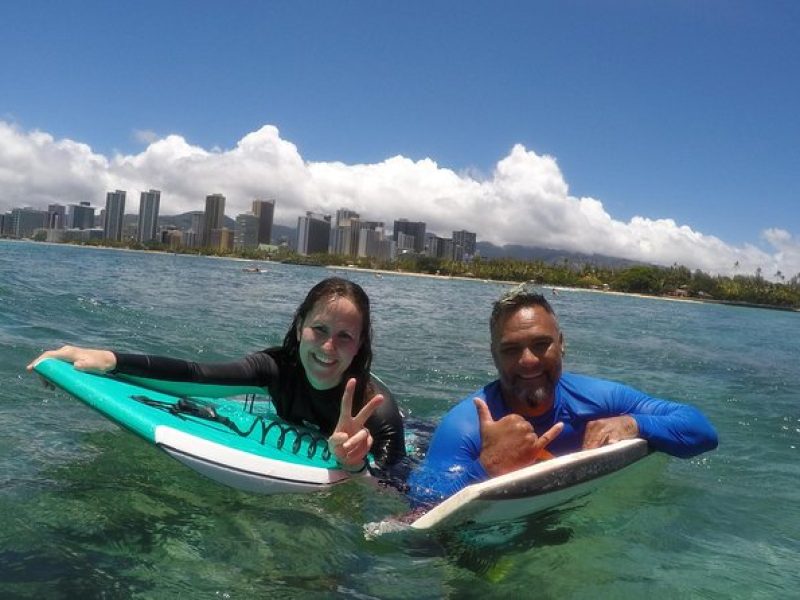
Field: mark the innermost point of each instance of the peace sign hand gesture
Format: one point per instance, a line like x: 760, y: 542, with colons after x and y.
x: 350, y: 440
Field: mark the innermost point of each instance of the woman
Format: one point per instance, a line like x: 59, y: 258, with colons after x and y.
x: 316, y: 376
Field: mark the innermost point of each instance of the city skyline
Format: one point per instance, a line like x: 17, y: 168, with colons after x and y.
x: 348, y: 234
x: 657, y: 132
x: 216, y: 201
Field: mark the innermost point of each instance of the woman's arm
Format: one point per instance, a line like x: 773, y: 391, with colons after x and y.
x: 388, y: 434
x: 257, y: 369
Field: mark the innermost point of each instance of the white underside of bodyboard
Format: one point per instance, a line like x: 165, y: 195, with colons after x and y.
x: 244, y: 470
x: 535, y: 488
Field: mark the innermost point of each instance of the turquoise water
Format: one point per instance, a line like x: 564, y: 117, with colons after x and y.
x: 90, y: 511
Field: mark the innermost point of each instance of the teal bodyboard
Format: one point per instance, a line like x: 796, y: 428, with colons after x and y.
x: 248, y: 449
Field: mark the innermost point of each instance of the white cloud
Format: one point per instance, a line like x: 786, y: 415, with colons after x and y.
x: 36, y: 169
x: 145, y: 136
x: 524, y: 201
x: 787, y: 256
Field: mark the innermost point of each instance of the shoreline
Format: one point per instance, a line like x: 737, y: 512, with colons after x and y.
x: 431, y: 275
x: 569, y: 289
x: 413, y: 274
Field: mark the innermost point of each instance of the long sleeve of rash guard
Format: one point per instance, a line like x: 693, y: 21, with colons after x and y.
x: 258, y: 368
x: 453, y: 458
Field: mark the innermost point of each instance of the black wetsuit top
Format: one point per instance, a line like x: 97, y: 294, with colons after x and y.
x: 300, y: 404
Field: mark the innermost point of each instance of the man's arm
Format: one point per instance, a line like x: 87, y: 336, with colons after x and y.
x: 453, y: 458
x: 676, y: 429
x: 470, y: 446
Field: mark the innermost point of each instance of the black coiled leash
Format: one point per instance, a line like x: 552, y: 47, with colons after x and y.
x: 187, y: 406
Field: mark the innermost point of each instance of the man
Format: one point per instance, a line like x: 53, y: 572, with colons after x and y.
x: 534, y: 409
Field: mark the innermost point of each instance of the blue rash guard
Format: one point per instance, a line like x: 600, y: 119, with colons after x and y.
x: 452, y: 461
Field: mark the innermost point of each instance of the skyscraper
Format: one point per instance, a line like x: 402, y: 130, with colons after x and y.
x: 24, y: 221
x: 264, y: 210
x: 221, y: 239
x: 350, y: 236
x: 344, y: 215
x: 191, y: 237
x: 112, y: 219
x: 149, y: 203
x: 56, y: 216
x: 464, y: 245
x: 313, y: 233
x: 415, y: 228
x: 245, y: 233
x: 214, y: 217
x: 369, y: 242
x: 344, y: 234
x: 81, y: 216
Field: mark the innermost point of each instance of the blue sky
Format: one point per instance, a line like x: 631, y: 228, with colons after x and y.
x: 681, y: 110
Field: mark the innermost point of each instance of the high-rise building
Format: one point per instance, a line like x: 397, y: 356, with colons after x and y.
x: 112, y: 218
x: 56, y: 216
x: 264, y: 211
x: 387, y: 249
x: 339, y: 241
x: 464, y: 245
x: 221, y: 239
x: 373, y: 225
x: 25, y: 220
x: 350, y: 236
x: 198, y: 217
x: 431, y: 245
x: 81, y: 216
x: 438, y: 247
x: 189, y: 239
x: 415, y: 228
x: 344, y: 215
x: 246, y: 231
x: 404, y: 242
x: 149, y: 203
x: 445, y: 249
x: 344, y: 234
x: 369, y: 242
x: 214, y: 217
x: 313, y: 233
x: 172, y: 237
x: 370, y: 235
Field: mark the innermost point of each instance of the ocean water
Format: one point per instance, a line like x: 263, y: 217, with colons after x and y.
x: 89, y: 511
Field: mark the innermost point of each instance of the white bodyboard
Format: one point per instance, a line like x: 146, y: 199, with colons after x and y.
x: 533, y: 489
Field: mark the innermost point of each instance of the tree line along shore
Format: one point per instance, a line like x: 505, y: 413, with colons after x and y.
x: 676, y: 281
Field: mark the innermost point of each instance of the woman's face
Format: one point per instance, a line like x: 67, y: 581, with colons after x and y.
x: 329, y: 336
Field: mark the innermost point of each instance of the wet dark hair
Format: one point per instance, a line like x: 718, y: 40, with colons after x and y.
x: 328, y: 289
x: 513, y: 300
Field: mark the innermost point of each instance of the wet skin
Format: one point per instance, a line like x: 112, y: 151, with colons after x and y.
x: 330, y: 337
x: 527, y: 348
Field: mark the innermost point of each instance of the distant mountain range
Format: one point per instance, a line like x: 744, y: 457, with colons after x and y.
x: 550, y: 256
x: 486, y: 249
x: 182, y: 221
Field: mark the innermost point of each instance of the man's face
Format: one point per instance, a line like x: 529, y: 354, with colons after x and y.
x: 527, y: 348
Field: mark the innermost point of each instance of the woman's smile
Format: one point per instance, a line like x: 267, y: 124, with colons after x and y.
x: 330, y: 337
